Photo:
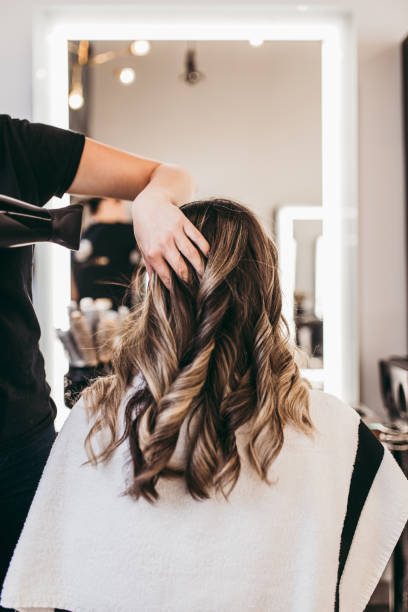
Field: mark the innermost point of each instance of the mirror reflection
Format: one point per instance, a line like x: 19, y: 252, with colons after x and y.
x: 299, y: 232
x: 244, y: 117
x: 308, y: 293
x: 108, y: 255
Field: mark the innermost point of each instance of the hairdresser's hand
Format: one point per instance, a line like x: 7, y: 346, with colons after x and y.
x: 164, y: 234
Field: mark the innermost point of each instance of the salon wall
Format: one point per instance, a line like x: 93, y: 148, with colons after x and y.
x: 380, y: 28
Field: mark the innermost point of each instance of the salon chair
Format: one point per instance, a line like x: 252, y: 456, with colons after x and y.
x: 394, y: 434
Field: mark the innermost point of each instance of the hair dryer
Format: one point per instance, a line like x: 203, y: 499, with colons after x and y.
x: 22, y: 224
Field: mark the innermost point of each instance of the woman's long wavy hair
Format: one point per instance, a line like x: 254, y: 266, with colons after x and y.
x: 214, y: 350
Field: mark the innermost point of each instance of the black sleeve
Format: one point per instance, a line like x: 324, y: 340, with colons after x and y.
x: 41, y: 160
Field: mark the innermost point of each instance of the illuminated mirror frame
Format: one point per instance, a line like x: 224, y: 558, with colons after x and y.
x: 54, y: 26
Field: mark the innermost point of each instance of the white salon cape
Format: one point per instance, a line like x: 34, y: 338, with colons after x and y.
x: 316, y: 540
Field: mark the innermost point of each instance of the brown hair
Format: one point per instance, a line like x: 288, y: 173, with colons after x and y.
x: 215, y: 349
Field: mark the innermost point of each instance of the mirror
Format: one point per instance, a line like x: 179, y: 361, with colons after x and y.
x: 260, y: 109
x: 299, y: 232
x: 241, y: 115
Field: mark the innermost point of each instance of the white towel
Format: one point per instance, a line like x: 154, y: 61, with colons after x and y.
x: 316, y: 540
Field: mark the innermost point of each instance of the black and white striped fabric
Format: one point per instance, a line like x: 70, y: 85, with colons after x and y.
x: 377, y: 510
x: 316, y: 540
x: 369, y: 456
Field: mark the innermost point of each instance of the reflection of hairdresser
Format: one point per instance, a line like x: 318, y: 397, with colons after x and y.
x: 108, y: 254
x: 37, y: 162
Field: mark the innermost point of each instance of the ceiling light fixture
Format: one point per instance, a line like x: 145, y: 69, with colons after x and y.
x: 140, y: 47
x: 256, y: 41
x: 76, y: 99
x: 126, y: 75
x: 191, y: 75
x: 76, y: 94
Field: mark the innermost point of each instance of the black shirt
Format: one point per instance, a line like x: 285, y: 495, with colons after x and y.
x: 104, y: 264
x: 36, y: 162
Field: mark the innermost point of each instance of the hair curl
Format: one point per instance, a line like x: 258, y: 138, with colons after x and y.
x: 214, y: 350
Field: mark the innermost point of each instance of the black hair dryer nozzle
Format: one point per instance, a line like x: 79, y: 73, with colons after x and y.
x: 22, y: 224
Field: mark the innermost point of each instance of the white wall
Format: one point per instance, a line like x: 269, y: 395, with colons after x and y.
x: 380, y: 27
x: 250, y: 130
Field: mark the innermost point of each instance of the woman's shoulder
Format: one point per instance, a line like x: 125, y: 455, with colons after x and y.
x: 330, y: 405
x: 332, y: 417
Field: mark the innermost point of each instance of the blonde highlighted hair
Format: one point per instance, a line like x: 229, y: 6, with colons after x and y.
x: 214, y: 349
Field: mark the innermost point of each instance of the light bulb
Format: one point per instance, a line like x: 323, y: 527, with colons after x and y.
x: 140, y: 47
x: 126, y: 76
x: 256, y: 41
x: 75, y: 100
